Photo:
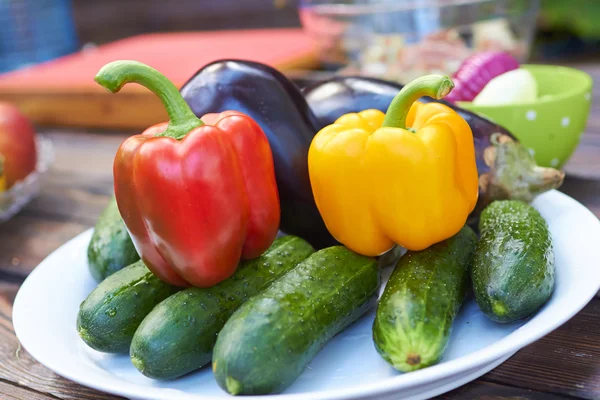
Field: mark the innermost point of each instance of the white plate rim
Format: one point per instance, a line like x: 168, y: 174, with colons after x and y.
x: 477, y: 359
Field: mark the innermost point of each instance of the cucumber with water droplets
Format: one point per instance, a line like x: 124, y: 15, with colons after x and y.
x: 420, y: 301
x: 111, y: 313
x: 513, y: 269
x: 110, y: 248
x: 178, y: 336
x: 270, y: 339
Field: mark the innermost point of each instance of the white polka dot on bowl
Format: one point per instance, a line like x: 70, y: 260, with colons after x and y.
x: 565, y: 121
x: 531, y: 115
x: 531, y: 151
x: 587, y: 96
x: 554, y: 162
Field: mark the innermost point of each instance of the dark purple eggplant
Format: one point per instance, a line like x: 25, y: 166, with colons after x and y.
x: 277, y: 105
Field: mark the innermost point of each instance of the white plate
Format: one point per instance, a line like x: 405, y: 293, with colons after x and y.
x: 348, y: 367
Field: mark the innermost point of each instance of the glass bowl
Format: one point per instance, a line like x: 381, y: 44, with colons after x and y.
x: 403, y: 39
x: 22, y: 192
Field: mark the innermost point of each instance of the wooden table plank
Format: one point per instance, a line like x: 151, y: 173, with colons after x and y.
x: 28, y: 240
x: 8, y: 291
x: 585, y: 161
x: 491, y: 391
x: 13, y: 392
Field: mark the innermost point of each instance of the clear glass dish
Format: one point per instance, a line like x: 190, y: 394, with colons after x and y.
x: 22, y: 192
x: 403, y: 39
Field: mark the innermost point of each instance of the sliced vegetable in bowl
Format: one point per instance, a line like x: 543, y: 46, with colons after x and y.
x: 477, y: 71
x: 512, y: 87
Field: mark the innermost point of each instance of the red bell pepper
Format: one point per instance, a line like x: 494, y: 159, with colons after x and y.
x: 196, y: 196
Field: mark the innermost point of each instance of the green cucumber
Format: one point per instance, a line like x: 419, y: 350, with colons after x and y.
x: 178, y: 336
x: 110, y: 248
x: 270, y: 339
x: 420, y: 301
x: 109, y: 316
x: 513, y: 269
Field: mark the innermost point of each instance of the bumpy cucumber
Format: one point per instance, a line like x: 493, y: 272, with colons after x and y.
x: 269, y: 340
x: 178, y: 336
x: 110, y: 248
x: 513, y: 269
x: 111, y: 313
x: 420, y: 301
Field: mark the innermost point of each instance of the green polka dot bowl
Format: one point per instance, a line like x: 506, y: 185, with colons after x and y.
x: 552, y: 125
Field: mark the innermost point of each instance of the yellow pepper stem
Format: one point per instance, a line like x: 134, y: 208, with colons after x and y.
x: 435, y: 86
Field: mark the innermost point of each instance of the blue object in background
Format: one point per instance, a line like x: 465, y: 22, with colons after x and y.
x: 34, y: 31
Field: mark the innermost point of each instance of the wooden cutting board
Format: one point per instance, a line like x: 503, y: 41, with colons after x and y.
x: 63, y: 92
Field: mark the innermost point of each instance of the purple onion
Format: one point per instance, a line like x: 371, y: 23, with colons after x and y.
x: 476, y: 71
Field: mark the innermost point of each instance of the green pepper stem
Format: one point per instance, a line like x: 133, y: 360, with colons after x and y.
x: 436, y: 86
x: 114, y: 75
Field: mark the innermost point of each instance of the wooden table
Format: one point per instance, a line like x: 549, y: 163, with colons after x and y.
x: 563, y: 365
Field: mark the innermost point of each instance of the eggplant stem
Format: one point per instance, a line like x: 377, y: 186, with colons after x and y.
x: 514, y: 173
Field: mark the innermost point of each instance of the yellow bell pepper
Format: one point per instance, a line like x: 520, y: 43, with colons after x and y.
x: 377, y: 183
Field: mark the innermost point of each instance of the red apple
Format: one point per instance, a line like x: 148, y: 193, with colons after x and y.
x: 17, y: 144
